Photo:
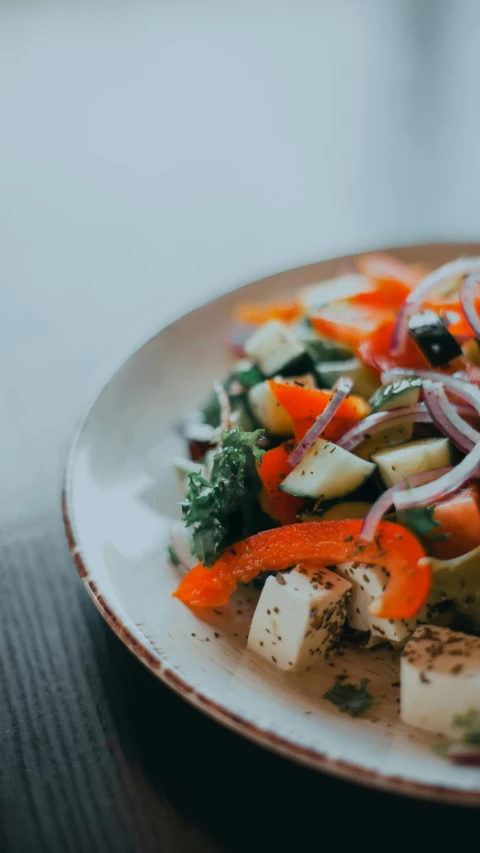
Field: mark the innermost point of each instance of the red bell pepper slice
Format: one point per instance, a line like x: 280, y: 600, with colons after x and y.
x: 256, y: 313
x: 305, y: 404
x: 272, y: 470
x: 318, y: 543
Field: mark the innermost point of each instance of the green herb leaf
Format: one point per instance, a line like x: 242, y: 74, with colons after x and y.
x: 419, y: 520
x: 225, y: 509
x: 350, y: 698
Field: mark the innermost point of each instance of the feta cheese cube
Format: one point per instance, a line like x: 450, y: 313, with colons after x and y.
x: 299, y: 617
x: 368, y: 583
x: 440, y: 678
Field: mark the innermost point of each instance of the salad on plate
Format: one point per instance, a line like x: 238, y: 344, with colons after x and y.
x: 337, y: 468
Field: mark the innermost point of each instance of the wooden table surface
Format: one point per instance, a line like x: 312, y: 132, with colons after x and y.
x: 153, y: 154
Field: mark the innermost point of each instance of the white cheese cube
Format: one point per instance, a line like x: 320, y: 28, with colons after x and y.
x: 273, y: 346
x: 299, y: 617
x: 440, y: 678
x: 368, y: 583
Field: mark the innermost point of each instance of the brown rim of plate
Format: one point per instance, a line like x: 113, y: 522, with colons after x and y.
x: 310, y: 757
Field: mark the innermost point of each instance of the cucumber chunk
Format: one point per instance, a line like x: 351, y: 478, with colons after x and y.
x: 402, y: 461
x: 327, y: 471
x: 364, y: 382
x: 396, y: 394
x: 275, y: 349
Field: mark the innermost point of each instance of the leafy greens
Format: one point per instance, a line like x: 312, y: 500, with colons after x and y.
x: 225, y: 509
x: 350, y: 698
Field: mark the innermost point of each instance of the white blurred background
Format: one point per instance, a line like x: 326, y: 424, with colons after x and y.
x: 153, y: 154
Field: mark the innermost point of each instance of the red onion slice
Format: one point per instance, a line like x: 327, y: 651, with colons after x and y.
x: 441, y: 488
x: 385, y: 501
x: 224, y: 404
x: 341, y: 390
x: 467, y: 298
x: 446, y: 418
x: 372, y: 424
x: 460, y: 267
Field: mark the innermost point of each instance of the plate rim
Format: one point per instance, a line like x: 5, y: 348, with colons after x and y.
x: 310, y: 757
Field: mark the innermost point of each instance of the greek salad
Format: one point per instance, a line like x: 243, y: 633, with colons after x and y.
x: 336, y: 467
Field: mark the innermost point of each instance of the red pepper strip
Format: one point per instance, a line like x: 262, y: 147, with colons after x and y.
x: 256, y: 313
x: 312, y: 544
x: 305, y: 404
x: 374, y: 351
x: 273, y: 469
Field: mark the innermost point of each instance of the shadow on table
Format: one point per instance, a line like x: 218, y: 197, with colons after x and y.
x: 242, y: 796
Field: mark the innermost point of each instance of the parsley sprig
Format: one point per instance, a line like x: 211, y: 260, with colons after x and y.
x: 350, y: 698
x: 225, y: 508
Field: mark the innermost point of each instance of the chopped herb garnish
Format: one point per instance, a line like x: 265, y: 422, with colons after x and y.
x: 225, y: 509
x: 350, y: 698
x: 420, y: 521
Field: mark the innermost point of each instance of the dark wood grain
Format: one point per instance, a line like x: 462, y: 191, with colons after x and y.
x: 97, y: 755
x: 152, y: 154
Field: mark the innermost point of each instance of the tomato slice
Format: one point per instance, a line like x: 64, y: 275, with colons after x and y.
x: 459, y: 519
x: 273, y: 469
x: 318, y: 543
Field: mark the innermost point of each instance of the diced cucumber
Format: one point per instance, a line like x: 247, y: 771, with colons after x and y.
x: 396, y: 394
x: 337, y: 512
x: 406, y: 459
x: 430, y: 333
x: 314, y: 296
x: 390, y: 436
x: 327, y: 471
x: 268, y: 411
x: 364, y: 382
x: 275, y: 349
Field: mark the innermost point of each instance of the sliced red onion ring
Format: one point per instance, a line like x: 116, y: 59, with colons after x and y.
x: 385, y: 501
x: 467, y: 298
x: 341, y: 389
x: 460, y: 267
x: 224, y: 403
x: 444, y: 486
x: 374, y: 423
x: 446, y: 418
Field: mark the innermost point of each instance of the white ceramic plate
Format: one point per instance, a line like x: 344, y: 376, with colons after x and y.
x: 119, y: 503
